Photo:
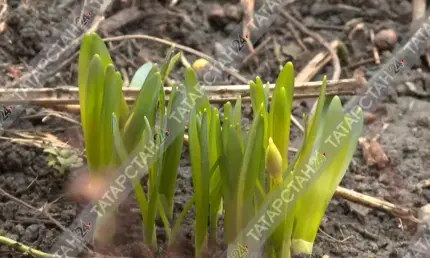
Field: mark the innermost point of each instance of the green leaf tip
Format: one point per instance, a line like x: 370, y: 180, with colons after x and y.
x: 300, y: 246
x: 274, y: 162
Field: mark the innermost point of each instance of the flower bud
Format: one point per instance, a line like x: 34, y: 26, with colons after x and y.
x: 200, y: 64
x: 274, y: 162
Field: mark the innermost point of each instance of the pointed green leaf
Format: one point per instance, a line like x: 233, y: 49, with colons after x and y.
x: 101, y: 50
x: 140, y: 76
x: 172, y: 155
x: 93, y: 103
x: 309, y: 145
x: 111, y: 104
x: 196, y: 97
x: 197, y: 155
x: 285, y: 80
x: 249, y: 171
x: 281, y: 123
x: 325, y: 186
x: 122, y: 152
x: 237, y: 118
x: 86, y: 54
x: 144, y: 107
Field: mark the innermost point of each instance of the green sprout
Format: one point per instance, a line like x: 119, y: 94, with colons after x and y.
x: 233, y: 170
x: 62, y: 159
x: 238, y: 169
x: 112, y: 131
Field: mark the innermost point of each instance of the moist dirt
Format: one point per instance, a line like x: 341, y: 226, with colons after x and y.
x: 347, y: 230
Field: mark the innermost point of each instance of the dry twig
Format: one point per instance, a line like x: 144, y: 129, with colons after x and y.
x: 297, y: 37
x: 358, y: 27
x: 216, y: 94
x: 418, y: 9
x: 316, y: 64
x: 361, y: 62
x: 373, y: 202
x: 39, y: 211
x: 126, y: 80
x: 326, y: 27
x: 375, y: 49
x: 40, y: 141
x: 248, y: 5
x: 317, y: 37
x: 3, y: 14
x: 47, y: 114
x: 26, y: 250
x: 183, y: 48
x: 121, y: 18
x: 256, y: 51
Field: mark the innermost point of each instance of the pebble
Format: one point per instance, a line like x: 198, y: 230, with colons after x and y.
x: 423, y: 122
x: 31, y: 233
x: 234, y: 12
x: 404, y: 8
x: 309, y: 21
x: 386, y: 39
x: 12, y: 236
x: 18, y: 229
x: 247, y: 111
x: 217, y: 15
x: 424, y: 215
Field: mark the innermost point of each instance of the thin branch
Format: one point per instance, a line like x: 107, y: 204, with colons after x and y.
x: 297, y: 37
x: 26, y: 250
x: 373, y: 202
x: 217, y: 94
x: 13, y: 198
x: 318, y: 62
x: 255, y: 52
x: 248, y: 22
x: 418, y: 9
x: 40, y: 211
x: 317, y: 37
x: 183, y: 48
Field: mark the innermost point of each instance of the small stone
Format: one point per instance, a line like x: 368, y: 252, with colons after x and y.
x: 31, y: 233
x: 309, y: 21
x: 309, y: 40
x: 374, y: 246
x: 423, y: 122
x: 219, y: 49
x: 386, y: 39
x: 404, y: 8
x: 19, y: 229
x: 12, y: 236
x: 234, y: 12
x: 247, y: 111
x: 217, y: 16
x: 369, y: 118
x: 424, y: 216
x: 144, y: 56
x: 426, y: 194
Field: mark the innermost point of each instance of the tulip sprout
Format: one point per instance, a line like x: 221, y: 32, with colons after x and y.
x: 233, y: 170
